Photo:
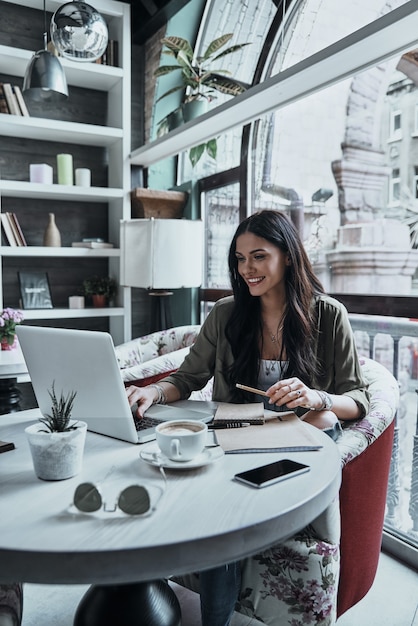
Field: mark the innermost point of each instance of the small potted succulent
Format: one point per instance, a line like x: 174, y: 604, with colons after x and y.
x: 101, y: 289
x: 56, y: 441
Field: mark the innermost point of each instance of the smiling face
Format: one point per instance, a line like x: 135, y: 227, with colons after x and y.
x: 261, y: 264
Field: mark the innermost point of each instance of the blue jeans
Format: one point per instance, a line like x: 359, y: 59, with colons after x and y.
x: 219, y: 590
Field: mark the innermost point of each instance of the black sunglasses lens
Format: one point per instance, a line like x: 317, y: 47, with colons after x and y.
x: 87, y: 498
x: 134, y: 500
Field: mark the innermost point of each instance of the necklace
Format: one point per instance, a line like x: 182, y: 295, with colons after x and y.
x: 274, y: 337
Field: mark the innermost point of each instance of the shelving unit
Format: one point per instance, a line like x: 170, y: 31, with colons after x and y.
x: 113, y: 137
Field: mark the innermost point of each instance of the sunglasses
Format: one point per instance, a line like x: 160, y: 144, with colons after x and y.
x: 133, y: 500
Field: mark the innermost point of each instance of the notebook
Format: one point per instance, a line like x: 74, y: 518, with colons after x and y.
x: 85, y: 361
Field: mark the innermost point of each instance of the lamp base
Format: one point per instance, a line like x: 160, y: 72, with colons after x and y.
x: 160, y: 310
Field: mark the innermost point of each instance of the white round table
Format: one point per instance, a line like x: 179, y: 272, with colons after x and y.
x: 204, y: 519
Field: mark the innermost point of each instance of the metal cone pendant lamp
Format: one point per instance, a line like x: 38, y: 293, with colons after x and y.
x: 44, y: 77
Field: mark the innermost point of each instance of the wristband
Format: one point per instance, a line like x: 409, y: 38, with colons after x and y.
x: 327, y: 403
x: 161, y: 398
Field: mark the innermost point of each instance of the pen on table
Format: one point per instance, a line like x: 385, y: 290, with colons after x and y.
x: 229, y: 425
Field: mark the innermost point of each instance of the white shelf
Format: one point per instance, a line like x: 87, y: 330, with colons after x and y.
x: 24, y: 189
x: 392, y: 34
x: 55, y: 314
x: 51, y: 252
x: 115, y: 82
x: 14, y: 61
x: 55, y: 130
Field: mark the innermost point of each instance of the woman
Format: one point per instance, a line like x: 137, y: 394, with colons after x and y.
x: 278, y: 332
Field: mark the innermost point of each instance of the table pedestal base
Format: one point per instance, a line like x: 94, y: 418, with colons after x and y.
x: 9, y: 396
x: 138, y: 604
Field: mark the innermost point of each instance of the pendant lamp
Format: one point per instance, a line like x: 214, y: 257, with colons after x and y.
x: 44, y: 77
x: 79, y: 32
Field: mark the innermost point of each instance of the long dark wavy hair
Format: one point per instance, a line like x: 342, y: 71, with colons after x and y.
x: 244, y: 328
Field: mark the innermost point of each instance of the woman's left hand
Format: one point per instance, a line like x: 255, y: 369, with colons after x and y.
x: 293, y: 393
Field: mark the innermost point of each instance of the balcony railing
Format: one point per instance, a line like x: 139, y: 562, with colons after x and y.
x: 394, y: 343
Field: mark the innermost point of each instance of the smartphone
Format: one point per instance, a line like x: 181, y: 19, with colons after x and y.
x: 271, y: 473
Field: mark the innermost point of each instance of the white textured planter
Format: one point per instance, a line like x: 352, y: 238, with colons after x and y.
x: 56, y: 456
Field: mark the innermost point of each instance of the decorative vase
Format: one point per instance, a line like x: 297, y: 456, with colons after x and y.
x: 5, y: 345
x: 193, y: 109
x: 56, y: 456
x: 52, y: 236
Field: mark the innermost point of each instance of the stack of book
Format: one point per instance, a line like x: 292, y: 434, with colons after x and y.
x: 111, y: 54
x: 12, y: 101
x: 92, y: 243
x: 12, y: 230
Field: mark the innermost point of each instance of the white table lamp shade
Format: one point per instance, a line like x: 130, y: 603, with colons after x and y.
x: 161, y: 253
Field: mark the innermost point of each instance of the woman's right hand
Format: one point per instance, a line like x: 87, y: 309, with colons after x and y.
x: 144, y: 397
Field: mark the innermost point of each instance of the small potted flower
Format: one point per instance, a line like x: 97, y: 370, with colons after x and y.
x: 9, y: 318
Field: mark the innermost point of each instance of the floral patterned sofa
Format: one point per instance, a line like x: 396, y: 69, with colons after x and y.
x: 312, y: 578
x: 145, y: 360
x: 149, y: 358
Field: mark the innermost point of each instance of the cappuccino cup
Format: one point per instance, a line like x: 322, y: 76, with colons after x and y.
x: 181, y: 440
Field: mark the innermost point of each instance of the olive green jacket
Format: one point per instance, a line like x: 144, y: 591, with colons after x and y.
x: 211, y: 355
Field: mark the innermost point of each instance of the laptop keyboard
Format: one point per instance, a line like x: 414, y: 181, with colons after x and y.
x: 145, y: 422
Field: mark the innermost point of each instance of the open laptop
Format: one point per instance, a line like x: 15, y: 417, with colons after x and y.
x: 85, y: 361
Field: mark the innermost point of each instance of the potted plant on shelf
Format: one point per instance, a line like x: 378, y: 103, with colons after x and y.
x: 56, y: 442
x: 9, y: 319
x: 200, y: 80
x: 101, y: 289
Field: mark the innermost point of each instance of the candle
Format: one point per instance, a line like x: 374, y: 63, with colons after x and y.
x: 40, y: 173
x: 83, y: 177
x: 76, y: 302
x: 65, y: 169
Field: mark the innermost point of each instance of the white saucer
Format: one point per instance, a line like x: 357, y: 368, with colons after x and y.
x: 151, y: 454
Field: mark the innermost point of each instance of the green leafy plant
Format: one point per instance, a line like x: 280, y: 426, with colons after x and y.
x: 195, y: 71
x: 199, y: 79
x: 58, y: 421
x: 99, y: 285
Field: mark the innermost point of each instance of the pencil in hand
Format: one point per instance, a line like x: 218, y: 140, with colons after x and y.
x: 260, y: 392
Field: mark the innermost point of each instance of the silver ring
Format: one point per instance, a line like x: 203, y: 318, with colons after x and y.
x: 298, y: 392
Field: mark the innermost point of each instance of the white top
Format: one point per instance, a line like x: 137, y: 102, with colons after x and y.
x: 204, y: 519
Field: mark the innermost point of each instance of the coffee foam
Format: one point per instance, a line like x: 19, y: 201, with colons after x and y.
x: 180, y: 429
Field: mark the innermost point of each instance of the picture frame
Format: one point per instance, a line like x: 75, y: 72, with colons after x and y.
x: 35, y: 291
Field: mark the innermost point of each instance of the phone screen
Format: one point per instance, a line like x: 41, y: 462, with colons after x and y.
x: 271, y: 473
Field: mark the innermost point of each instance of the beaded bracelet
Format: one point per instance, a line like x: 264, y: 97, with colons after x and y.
x: 161, y: 398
